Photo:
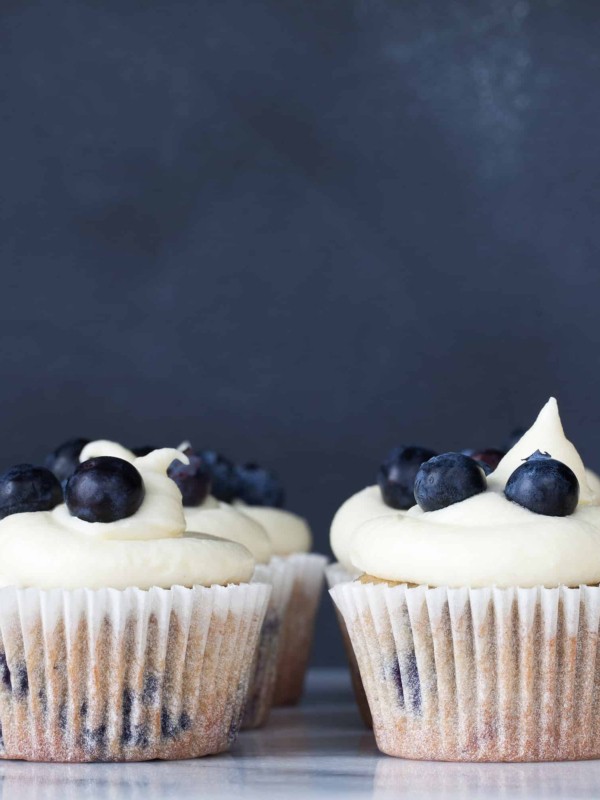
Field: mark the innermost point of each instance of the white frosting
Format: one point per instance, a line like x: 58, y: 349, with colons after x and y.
x: 547, y: 435
x: 487, y: 540
x: 359, y: 508
x: 222, y: 520
x: 288, y: 532
x: 52, y: 549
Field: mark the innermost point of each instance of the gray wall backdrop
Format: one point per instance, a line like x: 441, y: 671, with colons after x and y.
x: 299, y: 232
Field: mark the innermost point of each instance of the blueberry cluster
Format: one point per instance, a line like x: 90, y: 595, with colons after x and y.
x: 541, y: 484
x: 251, y: 483
x: 103, y: 489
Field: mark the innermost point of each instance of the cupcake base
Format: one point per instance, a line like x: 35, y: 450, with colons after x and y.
x: 279, y: 574
x: 335, y: 574
x: 127, y: 675
x: 298, y: 628
x: 478, y: 674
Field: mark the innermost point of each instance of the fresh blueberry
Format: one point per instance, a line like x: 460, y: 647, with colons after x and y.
x: 224, y: 479
x: 259, y: 487
x: 104, y: 489
x: 488, y: 459
x: 193, y: 479
x: 28, y: 488
x: 448, y: 479
x: 65, y: 459
x: 143, y: 450
x: 396, y: 476
x: 544, y: 485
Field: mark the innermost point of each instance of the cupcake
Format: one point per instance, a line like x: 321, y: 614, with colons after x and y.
x: 475, y: 621
x: 206, y: 514
x: 260, y: 495
x: 121, y: 638
x: 392, y: 493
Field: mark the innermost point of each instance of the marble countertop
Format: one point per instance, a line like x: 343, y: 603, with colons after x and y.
x: 318, y: 750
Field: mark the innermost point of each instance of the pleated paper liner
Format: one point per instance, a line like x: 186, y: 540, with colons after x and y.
x: 279, y: 574
x: 478, y: 674
x: 129, y: 675
x: 298, y: 628
x: 334, y: 574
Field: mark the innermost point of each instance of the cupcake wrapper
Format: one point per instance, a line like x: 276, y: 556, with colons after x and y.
x: 478, y: 674
x: 334, y: 575
x: 279, y: 574
x: 129, y: 675
x: 298, y: 628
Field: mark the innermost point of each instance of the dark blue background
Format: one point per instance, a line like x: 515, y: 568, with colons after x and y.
x: 299, y: 232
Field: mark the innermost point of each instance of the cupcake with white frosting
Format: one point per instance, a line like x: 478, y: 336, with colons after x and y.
x: 476, y: 620
x: 121, y: 638
x: 205, y: 514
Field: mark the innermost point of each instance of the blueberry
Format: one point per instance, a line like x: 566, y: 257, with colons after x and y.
x: 259, y: 487
x: 193, y: 479
x: 544, y: 485
x: 488, y: 459
x: 448, y: 479
x: 396, y: 476
x: 104, y: 489
x: 65, y: 459
x: 28, y: 488
x: 224, y: 479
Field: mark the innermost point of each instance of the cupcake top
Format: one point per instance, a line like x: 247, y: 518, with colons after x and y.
x: 393, y: 493
x: 362, y: 506
x: 288, y: 532
x: 122, y: 526
x: 203, y: 513
x: 535, y: 521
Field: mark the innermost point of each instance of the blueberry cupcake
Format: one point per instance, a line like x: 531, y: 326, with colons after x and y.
x: 121, y: 638
x: 206, y: 514
x: 260, y: 495
x: 392, y: 494
x: 475, y: 621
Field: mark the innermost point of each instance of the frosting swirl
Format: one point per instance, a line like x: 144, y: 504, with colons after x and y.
x: 289, y: 533
x: 226, y: 522
x: 356, y: 510
x: 487, y: 540
x: 52, y: 549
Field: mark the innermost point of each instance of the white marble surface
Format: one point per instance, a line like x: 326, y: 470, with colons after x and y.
x: 319, y: 750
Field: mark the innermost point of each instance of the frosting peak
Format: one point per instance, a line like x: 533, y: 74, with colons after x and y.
x: 547, y: 435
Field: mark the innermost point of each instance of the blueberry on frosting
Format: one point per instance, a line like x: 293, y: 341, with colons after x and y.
x: 259, y: 487
x: 65, y: 459
x: 193, y: 479
x: 28, y: 488
x: 104, y: 489
x: 224, y: 479
x: 448, y: 479
x: 396, y: 476
x: 488, y: 459
x: 544, y: 485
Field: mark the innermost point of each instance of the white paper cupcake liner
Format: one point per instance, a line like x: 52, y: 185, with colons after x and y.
x: 298, y: 629
x: 129, y: 675
x: 478, y: 674
x: 279, y: 574
x: 335, y: 574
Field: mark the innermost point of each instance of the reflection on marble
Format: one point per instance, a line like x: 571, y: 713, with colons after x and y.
x: 319, y: 750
